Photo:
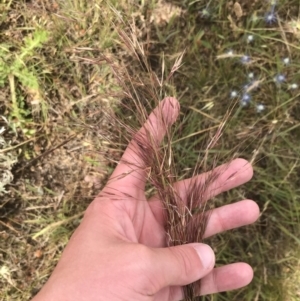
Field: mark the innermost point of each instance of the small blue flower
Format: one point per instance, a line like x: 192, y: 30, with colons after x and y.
x: 245, y: 59
x: 270, y: 17
x: 245, y: 100
x: 259, y: 108
x: 279, y: 78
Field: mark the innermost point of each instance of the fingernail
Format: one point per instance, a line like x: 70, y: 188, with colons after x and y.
x: 206, y: 254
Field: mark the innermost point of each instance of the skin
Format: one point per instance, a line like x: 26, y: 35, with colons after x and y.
x: 119, y: 250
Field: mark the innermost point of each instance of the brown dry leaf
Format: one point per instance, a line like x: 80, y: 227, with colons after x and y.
x: 238, y: 10
x: 163, y: 12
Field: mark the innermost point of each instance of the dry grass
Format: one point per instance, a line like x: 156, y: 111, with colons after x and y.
x: 57, y: 127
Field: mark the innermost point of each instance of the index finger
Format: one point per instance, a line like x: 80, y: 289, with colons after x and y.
x: 131, y: 171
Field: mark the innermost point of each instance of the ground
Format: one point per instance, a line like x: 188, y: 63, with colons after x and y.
x: 58, y: 143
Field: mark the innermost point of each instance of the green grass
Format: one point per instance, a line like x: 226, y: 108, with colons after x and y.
x: 55, y: 88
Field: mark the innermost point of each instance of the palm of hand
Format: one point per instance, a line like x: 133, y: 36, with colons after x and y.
x: 119, y: 248
x: 143, y: 223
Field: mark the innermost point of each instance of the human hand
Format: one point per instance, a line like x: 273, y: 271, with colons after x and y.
x: 119, y: 250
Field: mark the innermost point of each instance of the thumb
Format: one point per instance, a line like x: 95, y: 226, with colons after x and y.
x: 181, y: 265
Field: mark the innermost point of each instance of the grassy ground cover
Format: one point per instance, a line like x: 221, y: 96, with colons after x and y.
x: 56, y: 86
